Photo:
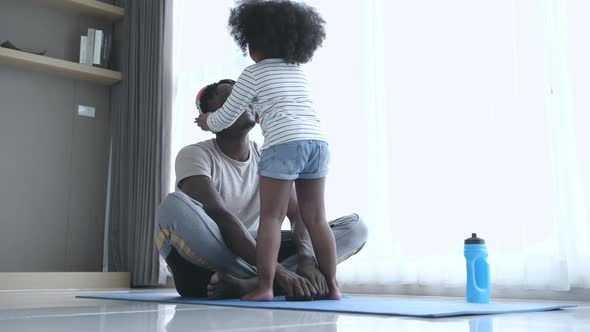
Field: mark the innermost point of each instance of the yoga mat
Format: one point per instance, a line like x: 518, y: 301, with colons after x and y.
x: 354, y: 305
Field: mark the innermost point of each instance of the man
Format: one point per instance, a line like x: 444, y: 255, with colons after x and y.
x: 207, y: 228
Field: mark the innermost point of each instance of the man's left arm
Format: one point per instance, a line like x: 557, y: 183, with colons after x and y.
x: 306, y: 265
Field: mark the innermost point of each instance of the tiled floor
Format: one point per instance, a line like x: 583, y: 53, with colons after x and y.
x: 61, y: 311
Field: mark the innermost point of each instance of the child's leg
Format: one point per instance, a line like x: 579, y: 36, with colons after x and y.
x: 310, y: 194
x: 274, y: 200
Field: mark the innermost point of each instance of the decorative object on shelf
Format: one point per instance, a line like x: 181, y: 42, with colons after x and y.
x: 95, y: 48
x: 8, y: 44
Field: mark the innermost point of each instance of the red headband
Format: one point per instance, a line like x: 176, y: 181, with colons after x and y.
x: 198, y: 100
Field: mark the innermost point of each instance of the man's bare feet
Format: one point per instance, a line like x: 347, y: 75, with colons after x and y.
x: 224, y: 286
x: 334, y: 291
x: 259, y: 294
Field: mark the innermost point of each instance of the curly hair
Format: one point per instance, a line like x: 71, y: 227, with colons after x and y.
x: 283, y: 29
x: 210, y: 92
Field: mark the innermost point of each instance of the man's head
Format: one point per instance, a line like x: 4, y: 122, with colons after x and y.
x: 213, y: 96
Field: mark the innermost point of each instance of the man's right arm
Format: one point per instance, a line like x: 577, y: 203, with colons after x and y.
x: 234, y: 233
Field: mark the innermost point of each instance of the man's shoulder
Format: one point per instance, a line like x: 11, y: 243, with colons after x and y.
x: 207, y: 146
x: 195, y: 159
x: 208, y: 150
x: 204, y: 150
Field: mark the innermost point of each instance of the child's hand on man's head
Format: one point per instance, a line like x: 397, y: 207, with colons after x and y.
x: 201, y: 121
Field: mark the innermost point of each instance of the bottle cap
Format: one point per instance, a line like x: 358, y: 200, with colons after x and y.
x: 474, y: 239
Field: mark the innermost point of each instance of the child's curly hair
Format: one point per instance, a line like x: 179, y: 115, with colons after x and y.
x: 282, y: 29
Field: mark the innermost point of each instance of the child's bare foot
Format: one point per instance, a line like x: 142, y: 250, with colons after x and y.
x: 334, y: 293
x: 225, y: 286
x: 259, y: 294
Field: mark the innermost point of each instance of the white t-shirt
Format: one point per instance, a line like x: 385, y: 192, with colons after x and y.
x: 236, y: 181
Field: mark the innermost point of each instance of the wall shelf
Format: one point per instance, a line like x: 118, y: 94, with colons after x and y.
x: 89, y: 7
x: 59, y: 67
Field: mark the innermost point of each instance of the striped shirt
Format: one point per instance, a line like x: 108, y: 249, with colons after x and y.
x: 279, y: 93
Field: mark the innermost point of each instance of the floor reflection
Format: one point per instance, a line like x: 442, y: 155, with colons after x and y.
x: 235, y: 319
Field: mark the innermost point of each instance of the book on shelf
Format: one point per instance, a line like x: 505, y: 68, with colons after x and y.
x: 95, y: 48
x: 105, y: 50
x: 90, y: 46
x: 83, y: 41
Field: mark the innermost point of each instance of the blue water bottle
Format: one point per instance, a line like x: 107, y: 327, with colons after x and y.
x: 478, y: 270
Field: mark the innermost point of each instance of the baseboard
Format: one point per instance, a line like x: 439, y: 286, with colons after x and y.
x: 63, y: 280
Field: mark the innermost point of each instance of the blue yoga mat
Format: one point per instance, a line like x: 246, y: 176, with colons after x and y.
x: 356, y: 305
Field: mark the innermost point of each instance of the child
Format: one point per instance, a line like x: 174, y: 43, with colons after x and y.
x: 281, y: 35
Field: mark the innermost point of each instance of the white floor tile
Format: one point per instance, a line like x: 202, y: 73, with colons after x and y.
x: 61, y: 311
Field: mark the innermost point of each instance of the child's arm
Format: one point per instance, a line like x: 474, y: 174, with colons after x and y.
x: 242, y: 94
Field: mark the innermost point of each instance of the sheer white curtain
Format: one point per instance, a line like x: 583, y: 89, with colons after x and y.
x: 204, y: 53
x: 444, y: 118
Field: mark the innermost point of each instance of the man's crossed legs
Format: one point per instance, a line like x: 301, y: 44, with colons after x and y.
x: 194, y: 249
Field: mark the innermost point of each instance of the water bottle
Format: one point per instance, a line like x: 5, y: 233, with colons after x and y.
x: 478, y: 288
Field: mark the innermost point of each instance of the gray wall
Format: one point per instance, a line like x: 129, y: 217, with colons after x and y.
x: 53, y: 163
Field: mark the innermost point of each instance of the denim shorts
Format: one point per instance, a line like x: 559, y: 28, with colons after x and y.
x: 305, y: 159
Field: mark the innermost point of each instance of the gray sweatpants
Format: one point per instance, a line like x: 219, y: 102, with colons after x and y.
x: 184, y: 226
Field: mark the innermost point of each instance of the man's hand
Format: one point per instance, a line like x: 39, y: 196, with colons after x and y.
x: 308, y: 268
x: 201, y: 121
x: 293, y: 284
